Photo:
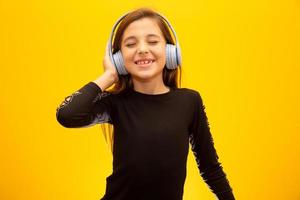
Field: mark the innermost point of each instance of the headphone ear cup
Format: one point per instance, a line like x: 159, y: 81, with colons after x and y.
x: 171, y: 56
x: 178, y: 55
x: 119, y: 63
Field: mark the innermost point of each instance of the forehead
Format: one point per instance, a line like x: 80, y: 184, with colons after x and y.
x: 142, y: 27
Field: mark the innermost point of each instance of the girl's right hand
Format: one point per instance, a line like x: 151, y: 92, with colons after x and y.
x: 109, y: 66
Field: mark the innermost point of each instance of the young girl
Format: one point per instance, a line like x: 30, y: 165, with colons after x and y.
x: 153, y: 119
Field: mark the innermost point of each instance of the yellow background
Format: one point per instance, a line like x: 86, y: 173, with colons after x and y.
x: 243, y: 57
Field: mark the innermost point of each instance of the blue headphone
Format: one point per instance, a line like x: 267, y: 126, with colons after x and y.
x: 173, y: 53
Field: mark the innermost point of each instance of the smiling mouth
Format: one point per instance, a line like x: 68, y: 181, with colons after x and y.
x: 144, y: 63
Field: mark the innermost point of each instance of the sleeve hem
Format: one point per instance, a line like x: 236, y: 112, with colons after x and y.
x: 94, y: 86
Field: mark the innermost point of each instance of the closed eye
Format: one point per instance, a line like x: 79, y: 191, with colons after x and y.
x: 153, y: 42
x: 130, y: 44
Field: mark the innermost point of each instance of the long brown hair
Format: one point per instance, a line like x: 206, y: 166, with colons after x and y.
x: 171, y: 77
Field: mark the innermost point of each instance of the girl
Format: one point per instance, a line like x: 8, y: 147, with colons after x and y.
x: 153, y: 119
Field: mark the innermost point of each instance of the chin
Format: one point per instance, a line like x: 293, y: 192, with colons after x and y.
x: 146, y: 75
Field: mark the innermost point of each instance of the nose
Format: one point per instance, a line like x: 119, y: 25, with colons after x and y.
x: 142, y: 48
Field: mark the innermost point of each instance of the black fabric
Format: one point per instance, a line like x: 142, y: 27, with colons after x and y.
x: 152, y: 134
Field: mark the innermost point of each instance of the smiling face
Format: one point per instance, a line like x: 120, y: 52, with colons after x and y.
x: 143, y: 50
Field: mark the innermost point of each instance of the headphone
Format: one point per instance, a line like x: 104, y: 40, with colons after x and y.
x: 173, y: 52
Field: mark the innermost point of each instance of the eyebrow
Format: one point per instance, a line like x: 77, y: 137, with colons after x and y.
x: 133, y: 37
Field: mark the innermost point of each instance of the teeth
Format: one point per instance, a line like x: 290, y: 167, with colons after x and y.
x: 144, y: 62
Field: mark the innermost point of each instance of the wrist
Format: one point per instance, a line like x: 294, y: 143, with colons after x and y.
x: 110, y: 76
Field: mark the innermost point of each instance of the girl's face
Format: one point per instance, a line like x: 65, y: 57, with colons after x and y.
x: 143, y: 49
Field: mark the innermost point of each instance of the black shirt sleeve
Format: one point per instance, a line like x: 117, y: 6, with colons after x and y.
x: 205, y: 154
x: 85, y: 107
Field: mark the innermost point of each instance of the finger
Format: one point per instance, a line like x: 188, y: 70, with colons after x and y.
x: 107, y: 47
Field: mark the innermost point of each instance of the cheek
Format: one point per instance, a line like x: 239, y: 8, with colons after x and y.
x: 127, y: 56
x: 159, y: 52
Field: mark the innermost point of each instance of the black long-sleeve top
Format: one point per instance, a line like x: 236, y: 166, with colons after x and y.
x: 152, y: 133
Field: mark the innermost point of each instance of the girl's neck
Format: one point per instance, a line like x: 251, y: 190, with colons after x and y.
x: 150, y: 87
